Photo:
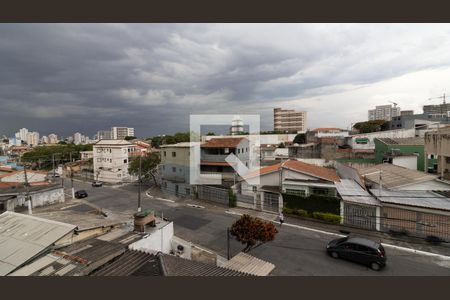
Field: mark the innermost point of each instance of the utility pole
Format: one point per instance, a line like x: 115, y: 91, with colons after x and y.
x: 228, y: 243
x: 140, y: 182
x: 27, y: 192
x: 53, y: 163
x: 71, y: 182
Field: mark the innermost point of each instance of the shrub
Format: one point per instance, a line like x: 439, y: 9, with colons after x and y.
x: 328, y: 217
x: 288, y: 210
x: 232, y: 199
x: 301, y: 212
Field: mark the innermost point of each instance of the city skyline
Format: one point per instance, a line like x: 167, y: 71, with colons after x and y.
x: 65, y: 78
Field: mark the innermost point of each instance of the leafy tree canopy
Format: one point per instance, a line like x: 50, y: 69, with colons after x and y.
x: 43, y: 155
x: 129, y: 138
x: 149, y: 166
x: 372, y: 126
x: 252, y: 231
x: 300, y: 138
x: 179, y: 137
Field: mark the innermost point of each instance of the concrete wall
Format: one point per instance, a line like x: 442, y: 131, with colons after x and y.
x: 158, y: 240
x: 409, y: 162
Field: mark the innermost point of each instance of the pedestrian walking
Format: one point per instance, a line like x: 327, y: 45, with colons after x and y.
x: 281, y: 219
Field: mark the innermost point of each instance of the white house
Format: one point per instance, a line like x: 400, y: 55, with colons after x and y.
x: 290, y: 177
x: 111, y: 159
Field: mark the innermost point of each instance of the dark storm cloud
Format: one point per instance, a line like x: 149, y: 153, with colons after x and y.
x: 86, y: 77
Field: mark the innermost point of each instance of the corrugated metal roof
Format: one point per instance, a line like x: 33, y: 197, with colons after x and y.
x: 352, y: 192
x: 80, y: 258
x: 246, y: 263
x: 22, y: 237
x: 417, y: 198
x: 393, y: 176
x: 136, y: 263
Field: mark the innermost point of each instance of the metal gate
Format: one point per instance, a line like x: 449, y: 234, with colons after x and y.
x: 215, y: 194
x: 360, y: 216
x: 270, y: 202
x: 245, y: 200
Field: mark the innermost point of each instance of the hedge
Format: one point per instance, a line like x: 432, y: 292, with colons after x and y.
x: 313, y: 203
x: 297, y: 212
x: 332, y: 218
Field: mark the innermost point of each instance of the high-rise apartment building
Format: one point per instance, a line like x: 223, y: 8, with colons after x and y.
x: 77, y: 138
x: 104, y: 135
x: 119, y: 133
x: 237, y: 126
x: 384, y: 112
x: 22, y: 134
x: 52, y: 138
x: 32, y: 138
x: 438, y: 109
x: 287, y: 120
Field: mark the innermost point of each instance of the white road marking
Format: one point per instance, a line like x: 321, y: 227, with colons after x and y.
x: 420, y: 252
x: 69, y: 206
x: 162, y: 199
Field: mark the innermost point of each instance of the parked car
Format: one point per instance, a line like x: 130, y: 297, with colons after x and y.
x: 81, y: 194
x: 359, y: 250
x: 97, y: 183
x: 54, y: 175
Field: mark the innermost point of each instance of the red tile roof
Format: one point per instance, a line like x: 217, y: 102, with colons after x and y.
x: 321, y: 172
x: 295, y: 165
x: 223, y: 143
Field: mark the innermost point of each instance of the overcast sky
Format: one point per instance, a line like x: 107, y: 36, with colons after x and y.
x: 64, y: 78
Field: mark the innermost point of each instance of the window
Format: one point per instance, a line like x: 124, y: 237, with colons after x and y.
x: 125, y: 161
x: 239, y: 150
x: 188, y: 191
x: 99, y: 150
x: 164, y: 153
x: 254, y: 188
x: 174, y: 169
x: 301, y: 193
x: 174, y: 154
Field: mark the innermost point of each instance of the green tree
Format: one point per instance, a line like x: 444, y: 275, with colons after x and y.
x: 129, y: 138
x: 252, y: 231
x: 149, y: 166
x: 300, y: 138
x: 371, y: 126
x: 210, y: 133
x: 281, y: 145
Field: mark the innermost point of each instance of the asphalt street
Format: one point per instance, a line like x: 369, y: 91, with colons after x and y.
x: 294, y: 251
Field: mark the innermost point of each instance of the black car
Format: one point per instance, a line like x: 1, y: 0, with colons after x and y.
x: 359, y: 250
x: 97, y: 183
x: 81, y: 194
